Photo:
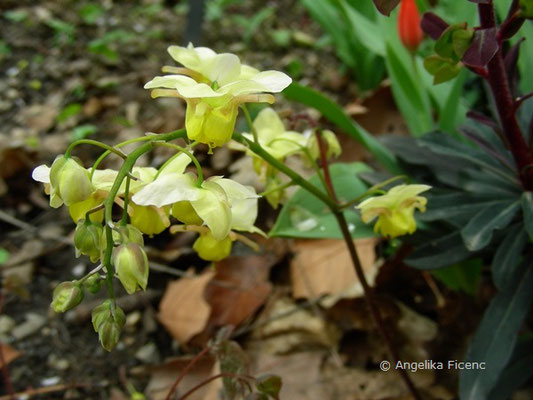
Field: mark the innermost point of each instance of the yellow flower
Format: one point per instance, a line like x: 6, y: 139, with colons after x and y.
x: 395, y: 210
x: 214, y: 86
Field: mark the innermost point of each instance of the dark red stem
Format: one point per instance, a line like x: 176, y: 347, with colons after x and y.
x: 501, y: 91
x: 367, y: 290
x: 212, y: 378
x: 185, y: 370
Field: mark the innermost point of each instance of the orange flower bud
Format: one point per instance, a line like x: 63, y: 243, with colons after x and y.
x: 409, y: 25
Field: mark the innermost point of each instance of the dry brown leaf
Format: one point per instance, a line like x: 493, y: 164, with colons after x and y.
x: 300, y: 373
x: 239, y: 287
x: 183, y: 309
x: 324, y: 266
x: 284, y: 326
x: 9, y: 354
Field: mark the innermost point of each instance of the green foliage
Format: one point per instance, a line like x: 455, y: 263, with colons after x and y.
x: 305, y: 216
x: 461, y: 276
x: 69, y: 111
x: 90, y: 13
x: 215, y: 8
x: 16, y: 15
x: 63, y: 31
x: 4, y: 255
x: 107, y: 45
x: 251, y: 25
x: 83, y: 131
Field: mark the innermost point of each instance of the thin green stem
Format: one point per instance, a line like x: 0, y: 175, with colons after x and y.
x: 296, y: 178
x: 124, y: 220
x: 94, y: 143
x: 188, y: 153
x: 277, y: 188
x: 106, y: 153
x: 250, y: 122
x: 128, y: 164
x: 91, y: 273
x: 93, y: 210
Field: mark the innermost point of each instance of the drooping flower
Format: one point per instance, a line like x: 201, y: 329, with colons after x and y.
x: 131, y: 265
x: 66, y: 181
x: 395, y: 210
x: 409, y: 28
x: 214, y: 86
x: 67, y: 295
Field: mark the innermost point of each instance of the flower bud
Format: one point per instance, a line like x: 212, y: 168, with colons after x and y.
x: 409, y: 28
x: 108, y: 323
x: 210, y: 124
x: 210, y: 249
x: 70, y: 181
x: 93, y: 283
x: 334, y: 147
x: 131, y: 266
x: 67, y: 295
x: 87, y: 239
x: 149, y: 219
x: 184, y: 212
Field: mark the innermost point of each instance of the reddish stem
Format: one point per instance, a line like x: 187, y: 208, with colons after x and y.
x: 185, y: 370
x: 367, y: 290
x: 5, y: 371
x: 501, y: 92
x: 212, y: 378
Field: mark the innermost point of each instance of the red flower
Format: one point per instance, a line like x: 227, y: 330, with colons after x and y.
x: 409, y: 25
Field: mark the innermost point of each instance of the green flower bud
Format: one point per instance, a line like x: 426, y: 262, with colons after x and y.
x: 67, y: 295
x: 184, y: 212
x: 131, y: 266
x: 137, y: 396
x: 93, y: 283
x: 70, y: 181
x: 334, y: 147
x: 88, y: 239
x: 210, y: 249
x: 108, y: 324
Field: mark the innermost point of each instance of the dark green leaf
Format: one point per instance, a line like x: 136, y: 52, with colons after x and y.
x: 462, y: 205
x: 461, y: 40
x: 444, y: 47
x: 508, y: 256
x: 462, y: 276
x: 305, y: 216
x: 478, y: 232
x: 527, y: 210
x: 519, y: 370
x: 411, y: 98
x: 269, y: 384
x: 495, y: 337
x: 69, y: 111
x: 83, y: 131
x: 439, y: 252
x: 331, y: 111
x: 369, y: 32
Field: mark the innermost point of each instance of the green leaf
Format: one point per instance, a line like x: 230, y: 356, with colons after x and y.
x: 4, y: 255
x: 83, y: 131
x: 496, y: 335
x: 508, y: 256
x: 410, y: 96
x: 442, y: 69
x: 519, y: 370
x: 305, y: 216
x: 445, y: 46
x: 478, y: 232
x: 69, y: 111
x: 527, y: 210
x: 367, y: 31
x: 461, y: 276
x: 91, y: 12
x: 269, y: 384
x: 335, y: 114
x: 16, y: 15
x: 438, y: 253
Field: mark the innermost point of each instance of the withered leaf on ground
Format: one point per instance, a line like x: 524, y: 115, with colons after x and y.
x: 8, y: 354
x: 183, y: 309
x: 240, y: 286
x: 324, y: 267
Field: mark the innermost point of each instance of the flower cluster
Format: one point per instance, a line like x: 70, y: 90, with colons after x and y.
x: 214, y: 86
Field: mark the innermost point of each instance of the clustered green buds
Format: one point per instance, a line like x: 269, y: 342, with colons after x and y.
x: 66, y: 295
x: 87, y: 239
x: 108, y: 320
x: 131, y: 265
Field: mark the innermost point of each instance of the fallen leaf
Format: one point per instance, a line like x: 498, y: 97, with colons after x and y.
x: 9, y: 354
x: 183, y: 309
x: 324, y: 267
x: 240, y: 286
x: 285, y: 326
